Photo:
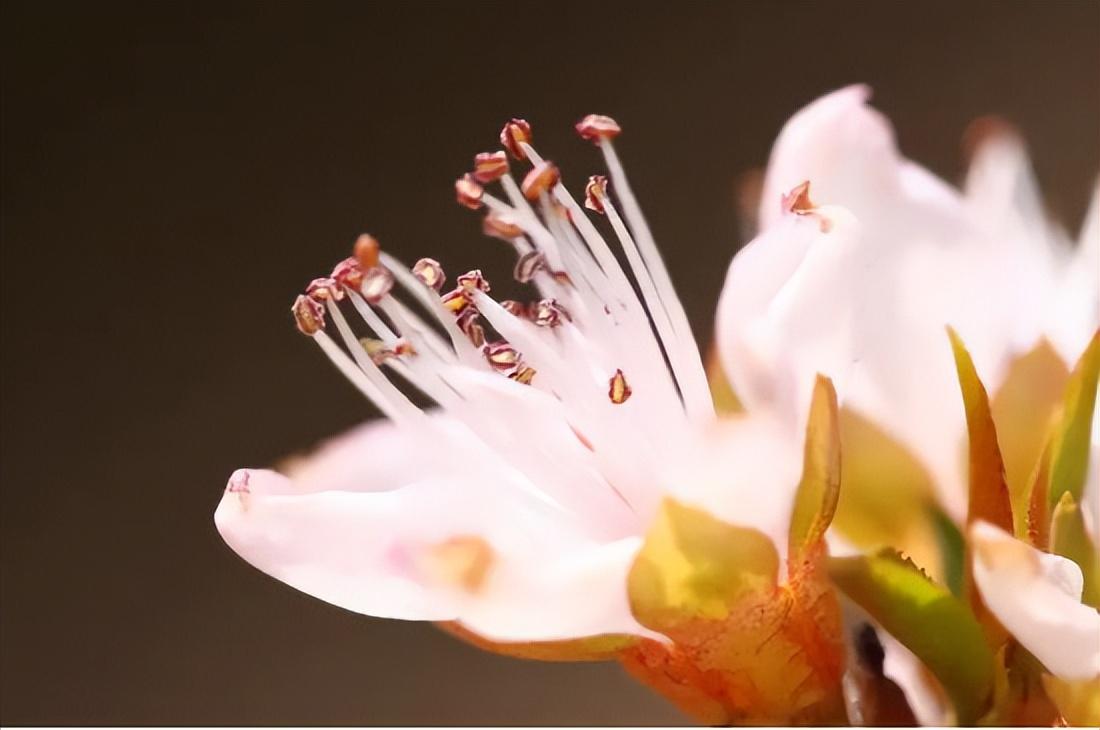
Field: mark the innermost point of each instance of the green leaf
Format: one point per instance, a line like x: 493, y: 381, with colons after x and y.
x: 989, y: 498
x: 1070, y: 460
x: 695, y: 566
x: 1069, y: 539
x: 928, y: 620
x: 818, y: 491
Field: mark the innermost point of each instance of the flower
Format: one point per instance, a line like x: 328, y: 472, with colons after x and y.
x: 570, y: 492
x: 861, y: 288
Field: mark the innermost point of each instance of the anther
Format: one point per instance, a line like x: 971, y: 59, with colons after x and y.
x: 597, y: 127
x: 309, y: 315
x: 514, y: 308
x: 467, y: 323
x: 472, y: 280
x: 548, y: 313
x: 366, y: 251
x: 513, y: 134
x: 455, y: 300
x: 501, y: 227
x: 490, y: 166
x: 618, y: 389
x: 540, y: 179
x: 348, y: 273
x: 376, y: 284
x: 468, y: 192
x: 798, y: 201
x: 527, y: 266
x: 324, y: 289
x: 501, y: 356
x: 430, y: 273
x: 523, y: 374
x: 595, y: 192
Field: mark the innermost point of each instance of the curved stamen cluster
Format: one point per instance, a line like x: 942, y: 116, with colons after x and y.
x: 592, y: 338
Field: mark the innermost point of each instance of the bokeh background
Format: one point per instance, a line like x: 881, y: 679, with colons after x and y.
x: 173, y: 173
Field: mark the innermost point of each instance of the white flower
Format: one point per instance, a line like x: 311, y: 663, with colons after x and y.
x: 862, y: 287
x: 516, y: 504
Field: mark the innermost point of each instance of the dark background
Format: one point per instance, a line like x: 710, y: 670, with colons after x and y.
x: 173, y: 173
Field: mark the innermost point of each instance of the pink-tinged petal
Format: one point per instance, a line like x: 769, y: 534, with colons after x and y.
x: 1037, y: 597
x: 842, y: 146
x: 743, y: 471
x: 1075, y: 315
x: 862, y: 304
x: 376, y: 456
x: 784, y: 314
x: 474, y: 548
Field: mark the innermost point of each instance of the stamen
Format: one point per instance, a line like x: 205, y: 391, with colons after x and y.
x: 468, y: 192
x: 527, y: 266
x: 502, y: 356
x: 472, y: 280
x: 500, y: 226
x: 348, y: 273
x: 596, y: 127
x: 524, y: 374
x: 540, y: 179
x: 455, y: 300
x: 548, y: 313
x: 514, y: 134
x: 430, y: 273
x: 309, y: 315
x: 377, y: 283
x: 618, y: 389
x: 798, y: 202
x: 323, y: 289
x: 490, y: 166
x: 366, y: 251
x: 595, y: 192
x: 514, y: 308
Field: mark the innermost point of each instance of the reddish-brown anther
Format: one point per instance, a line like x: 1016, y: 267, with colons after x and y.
x: 324, y: 289
x: 490, y: 166
x: 514, y: 308
x: 468, y: 192
x: 595, y: 192
x: 429, y: 272
x: 309, y: 315
x: 376, y: 284
x: 541, y: 179
x: 515, y: 132
x: 472, y: 280
x: 366, y: 251
x: 498, y: 226
x: 798, y: 199
x: 348, y: 273
x: 618, y: 390
x: 527, y: 266
x: 501, y: 356
x: 597, y: 127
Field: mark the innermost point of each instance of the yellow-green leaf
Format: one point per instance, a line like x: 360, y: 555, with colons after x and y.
x: 886, y: 495
x: 695, y: 566
x: 927, y: 619
x: 1070, y: 457
x: 988, y: 499
x: 1024, y: 407
x: 1069, y: 539
x: 818, y: 491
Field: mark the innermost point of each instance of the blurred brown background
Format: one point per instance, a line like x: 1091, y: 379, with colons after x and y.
x: 173, y: 173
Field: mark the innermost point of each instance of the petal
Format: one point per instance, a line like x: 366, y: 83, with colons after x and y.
x: 843, y: 147
x: 864, y: 303
x: 1076, y: 311
x: 476, y: 550
x: 1037, y: 597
